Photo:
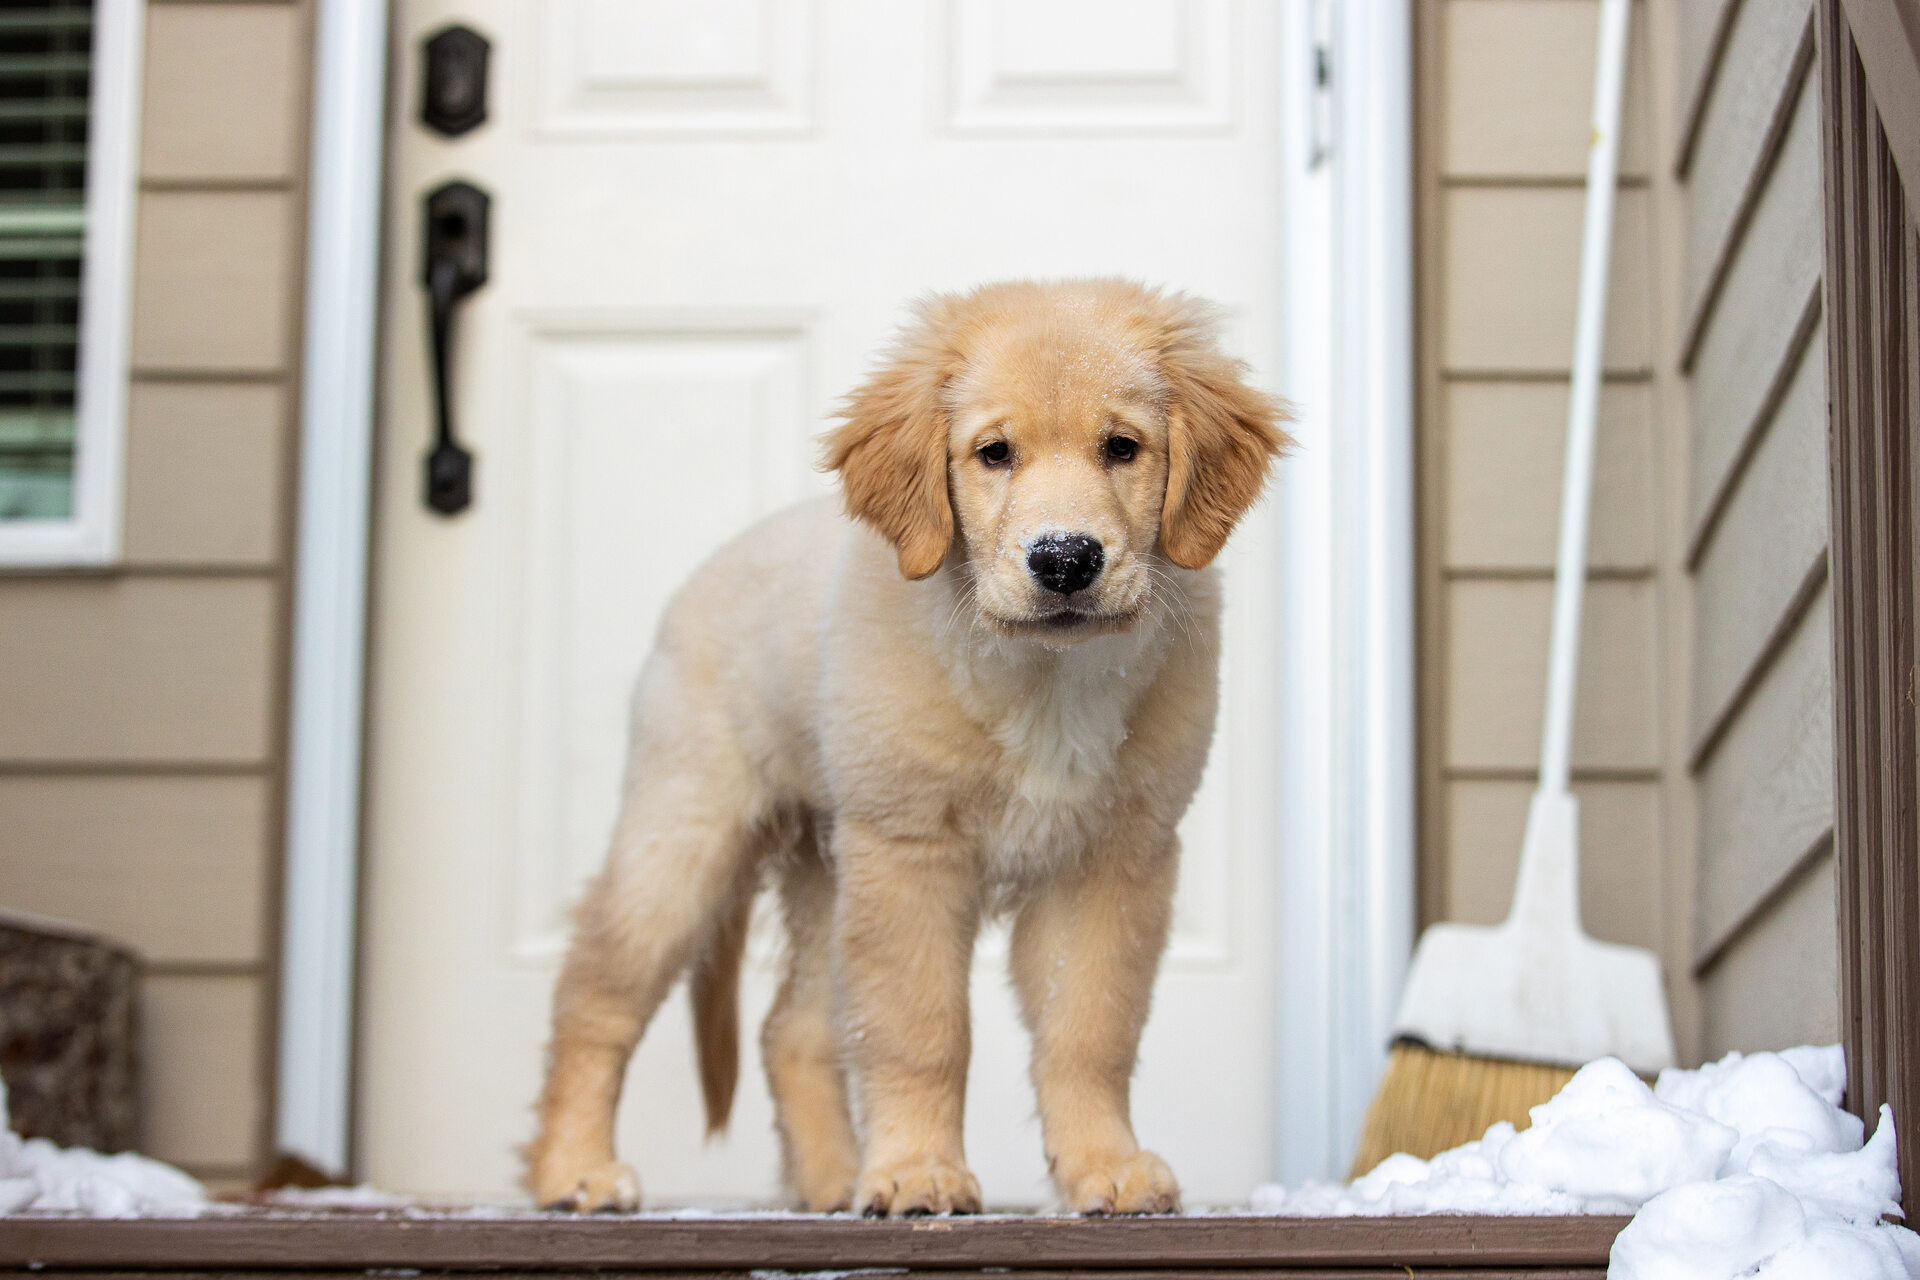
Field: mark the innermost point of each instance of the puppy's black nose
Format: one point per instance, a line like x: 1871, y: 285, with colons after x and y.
x: 1066, y: 562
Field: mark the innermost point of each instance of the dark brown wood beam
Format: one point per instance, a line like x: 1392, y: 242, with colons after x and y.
x: 356, y: 1242
x: 1887, y: 42
x: 1873, y: 383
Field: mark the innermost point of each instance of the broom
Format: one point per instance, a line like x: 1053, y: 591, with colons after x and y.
x: 1494, y: 1021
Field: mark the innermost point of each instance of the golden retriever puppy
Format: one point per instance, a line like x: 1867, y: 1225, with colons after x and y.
x: 990, y: 690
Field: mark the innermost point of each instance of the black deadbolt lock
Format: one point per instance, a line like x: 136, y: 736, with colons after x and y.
x: 455, y: 99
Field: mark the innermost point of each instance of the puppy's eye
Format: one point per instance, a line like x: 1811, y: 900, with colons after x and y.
x: 996, y: 453
x: 1122, y: 448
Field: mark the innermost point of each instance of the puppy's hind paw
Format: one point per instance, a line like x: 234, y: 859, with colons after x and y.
x: 607, y: 1188
x: 1137, y: 1183
x: 825, y: 1195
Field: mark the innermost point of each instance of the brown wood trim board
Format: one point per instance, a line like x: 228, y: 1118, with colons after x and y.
x: 1873, y: 384
x: 252, y: 1242
x: 1886, y: 40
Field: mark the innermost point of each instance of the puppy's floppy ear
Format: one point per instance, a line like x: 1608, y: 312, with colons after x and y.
x: 891, y: 452
x: 1222, y: 437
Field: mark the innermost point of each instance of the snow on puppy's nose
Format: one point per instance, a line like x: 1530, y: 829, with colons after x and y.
x: 1065, y: 562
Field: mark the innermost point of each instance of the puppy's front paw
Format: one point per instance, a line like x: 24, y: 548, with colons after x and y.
x: 1137, y: 1183
x: 608, y: 1187
x: 824, y: 1190
x: 916, y: 1188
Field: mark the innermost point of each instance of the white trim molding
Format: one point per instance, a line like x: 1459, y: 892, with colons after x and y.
x: 1347, y: 622
x: 91, y: 535
x: 319, y: 911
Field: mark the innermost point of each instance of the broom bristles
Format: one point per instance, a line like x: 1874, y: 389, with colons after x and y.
x: 1429, y: 1102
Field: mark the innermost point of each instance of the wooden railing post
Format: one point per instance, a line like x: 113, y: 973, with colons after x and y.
x: 1873, y: 383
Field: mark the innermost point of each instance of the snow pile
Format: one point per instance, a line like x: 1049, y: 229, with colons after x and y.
x: 35, y: 1174
x: 1745, y: 1168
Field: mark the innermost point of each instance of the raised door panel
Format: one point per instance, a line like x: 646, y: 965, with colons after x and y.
x: 1143, y: 66
x: 648, y: 446
x: 675, y: 67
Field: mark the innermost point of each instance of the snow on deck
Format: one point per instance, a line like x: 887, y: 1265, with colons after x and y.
x: 1746, y: 1167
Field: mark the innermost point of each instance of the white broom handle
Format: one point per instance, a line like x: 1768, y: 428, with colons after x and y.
x: 1570, y: 577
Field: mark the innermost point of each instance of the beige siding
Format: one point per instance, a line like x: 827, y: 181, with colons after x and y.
x: 1761, y: 701
x: 1516, y: 72
x: 1619, y: 821
x: 225, y: 93
x: 1771, y: 540
x: 1509, y: 296
x: 174, y: 866
x: 1780, y: 987
x: 1769, y: 45
x: 205, y: 462
x: 1736, y: 368
x: 1496, y: 674
x: 1703, y: 749
x: 201, y: 1042
x: 140, y: 752
x: 148, y: 670
x: 210, y: 289
x: 1506, y: 444
x: 1766, y: 790
x: 1699, y: 35
x: 1505, y: 90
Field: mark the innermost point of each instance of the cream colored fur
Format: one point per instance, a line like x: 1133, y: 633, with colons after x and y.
x: 892, y: 720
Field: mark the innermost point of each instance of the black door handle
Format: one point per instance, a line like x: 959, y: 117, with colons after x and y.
x: 455, y: 264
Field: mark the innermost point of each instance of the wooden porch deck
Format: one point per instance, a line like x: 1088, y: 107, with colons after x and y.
x: 283, y: 1245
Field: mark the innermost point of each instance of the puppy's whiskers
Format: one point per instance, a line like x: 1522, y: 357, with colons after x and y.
x: 962, y: 598
x: 1171, y: 598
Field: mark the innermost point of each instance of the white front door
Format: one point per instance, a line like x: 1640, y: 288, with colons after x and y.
x: 706, y: 216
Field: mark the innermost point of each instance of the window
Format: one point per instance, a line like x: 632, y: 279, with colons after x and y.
x: 68, y: 87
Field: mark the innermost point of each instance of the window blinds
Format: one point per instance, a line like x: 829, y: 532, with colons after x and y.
x: 45, y: 55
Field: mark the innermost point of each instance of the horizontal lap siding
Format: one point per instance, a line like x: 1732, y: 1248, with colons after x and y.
x: 1700, y: 37
x: 211, y: 287
x: 1619, y: 825
x: 1506, y: 445
x: 204, y: 471
x: 1777, y: 988
x: 1497, y: 674
x: 141, y: 745
x: 1513, y: 267
x: 1506, y: 94
x: 1752, y: 574
x: 1760, y: 698
x: 1766, y: 791
x: 174, y: 866
x: 201, y: 1043
x: 1737, y: 369
x: 1768, y: 50
x: 1518, y: 86
x: 138, y: 671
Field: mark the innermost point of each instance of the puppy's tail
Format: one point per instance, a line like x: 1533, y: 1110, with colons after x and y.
x: 715, y: 988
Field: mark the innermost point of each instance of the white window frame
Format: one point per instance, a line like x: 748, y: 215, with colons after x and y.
x: 91, y: 534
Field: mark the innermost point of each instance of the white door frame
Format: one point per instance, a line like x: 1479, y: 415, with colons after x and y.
x: 320, y: 906
x: 1345, y: 789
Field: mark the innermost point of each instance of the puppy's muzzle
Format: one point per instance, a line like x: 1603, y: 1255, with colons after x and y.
x: 1066, y: 563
